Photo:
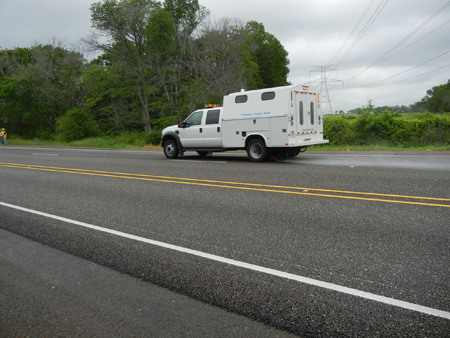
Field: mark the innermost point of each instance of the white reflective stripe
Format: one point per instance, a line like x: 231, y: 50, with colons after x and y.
x: 273, y: 272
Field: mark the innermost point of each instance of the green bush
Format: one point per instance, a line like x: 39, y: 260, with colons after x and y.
x: 76, y: 124
x: 390, y: 129
x: 338, y: 131
x: 46, y: 135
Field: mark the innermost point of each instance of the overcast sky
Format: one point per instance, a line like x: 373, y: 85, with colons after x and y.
x: 387, y: 51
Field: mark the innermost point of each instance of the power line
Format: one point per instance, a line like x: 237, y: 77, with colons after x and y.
x: 382, y: 58
x: 369, y: 85
x: 353, y: 30
x: 410, y: 78
x: 363, y: 31
x: 423, y: 37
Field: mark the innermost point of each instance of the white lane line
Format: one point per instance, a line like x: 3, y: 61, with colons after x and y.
x: 198, y: 161
x: 35, y: 154
x: 273, y: 272
x: 404, y: 155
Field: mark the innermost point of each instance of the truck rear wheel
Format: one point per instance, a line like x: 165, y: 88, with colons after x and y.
x: 292, y: 152
x: 171, y: 149
x: 257, y: 150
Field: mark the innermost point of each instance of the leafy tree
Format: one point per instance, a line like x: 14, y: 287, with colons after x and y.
x: 186, y: 14
x: 151, y: 40
x: 229, y: 55
x: 110, y: 96
x: 269, y: 55
x: 38, y: 85
x: 437, y: 99
x: 138, y: 33
x: 217, y: 57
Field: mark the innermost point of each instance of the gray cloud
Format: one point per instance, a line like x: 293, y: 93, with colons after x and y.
x: 314, y: 31
x: 311, y: 31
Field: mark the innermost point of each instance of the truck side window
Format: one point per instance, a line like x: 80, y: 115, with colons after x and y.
x: 194, y: 119
x: 212, y: 117
x: 312, y: 112
x: 267, y: 96
x: 240, y: 99
x: 301, y: 113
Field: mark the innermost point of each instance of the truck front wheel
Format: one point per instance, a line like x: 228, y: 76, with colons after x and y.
x: 257, y: 150
x: 170, y: 149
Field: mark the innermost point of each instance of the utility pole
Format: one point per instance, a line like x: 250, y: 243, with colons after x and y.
x: 324, y: 96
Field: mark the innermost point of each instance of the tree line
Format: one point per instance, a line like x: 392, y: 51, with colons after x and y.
x: 157, y: 62
x: 436, y: 100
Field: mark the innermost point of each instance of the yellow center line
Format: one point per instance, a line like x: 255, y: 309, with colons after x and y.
x: 234, y: 185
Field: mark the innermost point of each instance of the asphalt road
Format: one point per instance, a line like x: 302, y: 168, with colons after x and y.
x: 325, y: 244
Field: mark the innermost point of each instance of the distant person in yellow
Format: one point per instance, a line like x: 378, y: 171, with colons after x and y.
x: 3, y: 135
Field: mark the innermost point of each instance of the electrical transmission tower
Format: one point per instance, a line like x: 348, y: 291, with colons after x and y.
x: 324, y: 96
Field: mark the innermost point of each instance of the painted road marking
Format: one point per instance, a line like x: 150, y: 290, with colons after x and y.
x: 248, y: 266
x: 198, y: 161
x: 35, y: 154
x: 247, y: 186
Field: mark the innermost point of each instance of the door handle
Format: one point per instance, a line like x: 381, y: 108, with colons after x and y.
x: 201, y: 130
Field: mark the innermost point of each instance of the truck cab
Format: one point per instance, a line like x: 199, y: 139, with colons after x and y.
x: 200, y: 131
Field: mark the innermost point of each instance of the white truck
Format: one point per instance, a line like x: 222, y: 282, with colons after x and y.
x: 280, y: 122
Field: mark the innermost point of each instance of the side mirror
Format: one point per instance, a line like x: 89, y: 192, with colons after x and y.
x: 181, y: 124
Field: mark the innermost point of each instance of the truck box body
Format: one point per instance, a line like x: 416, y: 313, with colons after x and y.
x: 287, y: 116
x: 281, y: 117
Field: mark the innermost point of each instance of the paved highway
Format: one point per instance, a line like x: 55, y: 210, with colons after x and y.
x: 325, y: 244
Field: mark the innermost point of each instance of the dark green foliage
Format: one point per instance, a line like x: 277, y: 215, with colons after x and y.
x: 158, y: 125
x: 76, y: 124
x: 186, y: 14
x: 388, y: 128
x: 269, y: 57
x: 37, y: 85
x: 437, y: 99
x: 338, y: 131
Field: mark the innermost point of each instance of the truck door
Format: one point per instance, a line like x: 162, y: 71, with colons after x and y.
x: 306, y: 110
x: 212, y: 134
x: 191, y: 135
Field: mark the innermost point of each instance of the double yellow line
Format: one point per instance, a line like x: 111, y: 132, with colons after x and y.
x: 364, y: 196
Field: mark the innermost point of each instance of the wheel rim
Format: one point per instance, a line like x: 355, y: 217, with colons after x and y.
x: 170, y: 149
x: 256, y: 150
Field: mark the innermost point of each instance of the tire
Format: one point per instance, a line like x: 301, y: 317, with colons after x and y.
x: 202, y: 153
x: 257, y: 150
x: 281, y: 155
x: 170, y: 149
x: 269, y: 154
x: 292, y: 152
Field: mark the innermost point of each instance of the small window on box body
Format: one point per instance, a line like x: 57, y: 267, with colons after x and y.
x: 241, y: 99
x: 267, y: 96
